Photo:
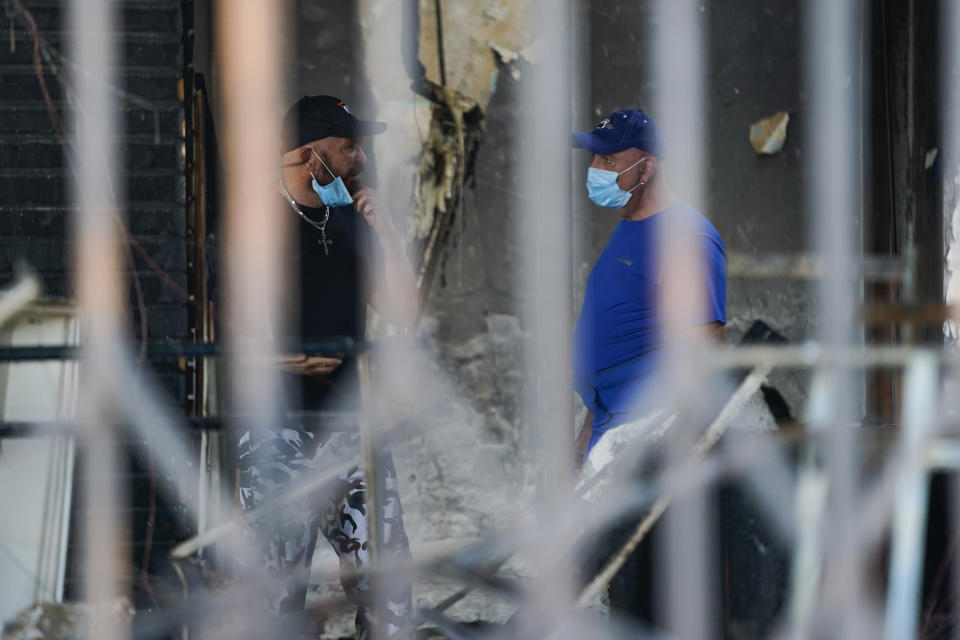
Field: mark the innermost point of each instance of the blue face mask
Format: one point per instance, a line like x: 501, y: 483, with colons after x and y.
x: 603, y: 189
x: 334, y: 194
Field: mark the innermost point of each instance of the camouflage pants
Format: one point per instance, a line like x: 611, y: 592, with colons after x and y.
x: 275, y: 460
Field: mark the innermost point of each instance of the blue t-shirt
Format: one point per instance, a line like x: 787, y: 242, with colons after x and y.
x: 619, y: 332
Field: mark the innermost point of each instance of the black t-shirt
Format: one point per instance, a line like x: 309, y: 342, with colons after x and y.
x: 334, y: 291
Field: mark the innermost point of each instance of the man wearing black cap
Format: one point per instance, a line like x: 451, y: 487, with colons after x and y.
x: 348, y: 254
x: 619, y: 335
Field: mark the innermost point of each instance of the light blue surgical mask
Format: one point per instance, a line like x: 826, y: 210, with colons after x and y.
x: 603, y: 189
x: 334, y: 194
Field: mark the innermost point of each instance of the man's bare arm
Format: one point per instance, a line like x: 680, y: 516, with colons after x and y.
x: 395, y: 297
x: 580, y: 444
x: 712, y: 332
x: 395, y: 293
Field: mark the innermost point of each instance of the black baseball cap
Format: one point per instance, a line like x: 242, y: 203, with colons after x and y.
x: 624, y: 129
x: 315, y: 117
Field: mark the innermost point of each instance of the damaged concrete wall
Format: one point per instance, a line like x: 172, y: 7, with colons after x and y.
x: 758, y: 202
x: 916, y: 189
x: 474, y: 38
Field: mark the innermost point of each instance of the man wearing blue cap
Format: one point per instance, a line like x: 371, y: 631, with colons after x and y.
x: 620, y: 332
x: 348, y: 255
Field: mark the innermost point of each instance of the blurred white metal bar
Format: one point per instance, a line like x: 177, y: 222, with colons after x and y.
x: 547, y: 225
x: 678, y: 52
x: 833, y: 147
x: 833, y: 81
x: 313, y: 486
x: 100, y: 291
x: 948, y: 455
x: 544, y: 124
x: 250, y: 47
x: 806, y: 566
x: 910, y: 509
x: 809, y: 266
x: 383, y: 66
x: 250, y: 52
x: 943, y: 454
x: 685, y: 561
x: 818, y: 354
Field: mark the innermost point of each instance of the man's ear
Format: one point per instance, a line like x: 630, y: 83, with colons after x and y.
x: 305, y: 154
x: 649, y: 168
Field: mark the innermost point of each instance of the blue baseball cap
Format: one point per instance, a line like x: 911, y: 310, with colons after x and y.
x: 624, y: 129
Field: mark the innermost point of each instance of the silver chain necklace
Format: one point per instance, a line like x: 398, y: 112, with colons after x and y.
x: 320, y: 226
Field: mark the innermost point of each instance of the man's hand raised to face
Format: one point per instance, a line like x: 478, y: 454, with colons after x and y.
x: 370, y: 205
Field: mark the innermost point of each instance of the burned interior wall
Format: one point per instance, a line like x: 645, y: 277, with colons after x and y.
x: 328, y: 53
x: 905, y: 194
x: 758, y: 202
x: 909, y: 204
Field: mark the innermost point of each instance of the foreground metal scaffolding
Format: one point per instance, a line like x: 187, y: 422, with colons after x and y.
x: 922, y: 450
x: 833, y: 524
